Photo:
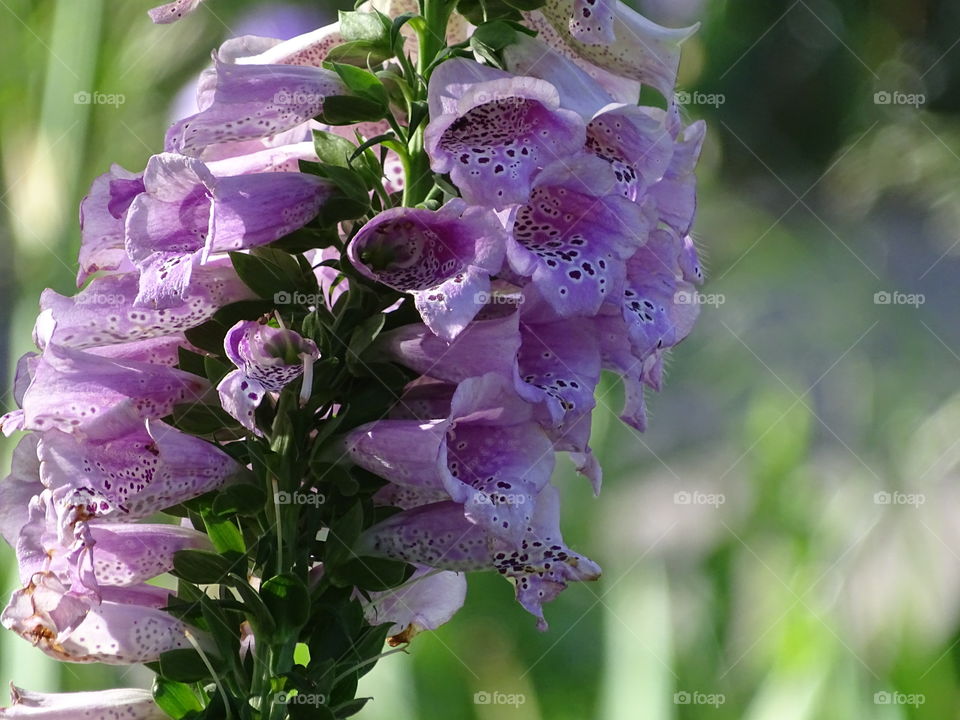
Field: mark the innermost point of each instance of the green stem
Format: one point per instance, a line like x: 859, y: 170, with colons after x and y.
x: 432, y: 38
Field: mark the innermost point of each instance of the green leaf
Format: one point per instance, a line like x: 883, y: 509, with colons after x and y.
x: 242, y: 499
x: 268, y: 271
x: 175, y: 698
x: 360, y: 52
x: 184, y: 666
x: 343, y: 534
x: 190, y: 362
x: 373, y: 574
x: 225, y: 536
x: 351, y: 707
x: 370, y: 26
x: 362, y: 83
x: 214, y: 370
x: 257, y: 612
x: 480, y: 11
x: 200, y: 566
x: 351, y: 109
x: 288, y: 600
x: 362, y: 338
x: 201, y: 419
x: 333, y: 149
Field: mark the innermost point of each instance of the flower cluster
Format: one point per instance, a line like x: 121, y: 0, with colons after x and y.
x: 401, y: 322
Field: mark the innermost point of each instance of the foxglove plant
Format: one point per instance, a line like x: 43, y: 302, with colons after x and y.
x: 329, y: 342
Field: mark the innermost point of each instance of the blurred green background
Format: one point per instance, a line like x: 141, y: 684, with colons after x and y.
x: 783, y: 543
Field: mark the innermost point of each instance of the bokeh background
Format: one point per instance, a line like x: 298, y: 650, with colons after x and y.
x: 783, y: 544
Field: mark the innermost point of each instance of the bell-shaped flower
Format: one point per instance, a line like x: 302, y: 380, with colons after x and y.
x: 74, y: 629
x: 76, y: 391
x: 102, y: 215
x: 437, y: 535
x: 103, y: 313
x: 173, y: 11
x: 632, y: 46
x: 268, y: 359
x: 426, y: 601
x: 573, y: 236
x: 443, y: 258
x: 675, y: 194
x: 17, y: 488
x: 252, y: 101
x: 493, y: 131
x: 186, y: 215
x: 126, y: 703
x: 96, y: 554
x: 134, y: 474
x: 488, y: 453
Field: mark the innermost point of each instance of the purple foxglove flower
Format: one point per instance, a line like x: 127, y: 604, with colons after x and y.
x: 186, y: 215
x: 488, y: 344
x: 126, y: 703
x: 443, y: 258
x: 676, y: 193
x: 19, y: 487
x: 640, y: 49
x: 102, y: 215
x: 254, y: 101
x: 488, y: 453
x: 574, y: 235
x: 103, y: 313
x: 88, y: 556
x: 437, y: 535
x: 492, y: 131
x: 73, y: 630
x: 268, y: 359
x: 76, y: 391
x: 173, y: 11
x: 426, y: 601
x: 135, y: 473
x: 592, y: 21
x: 635, y: 141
